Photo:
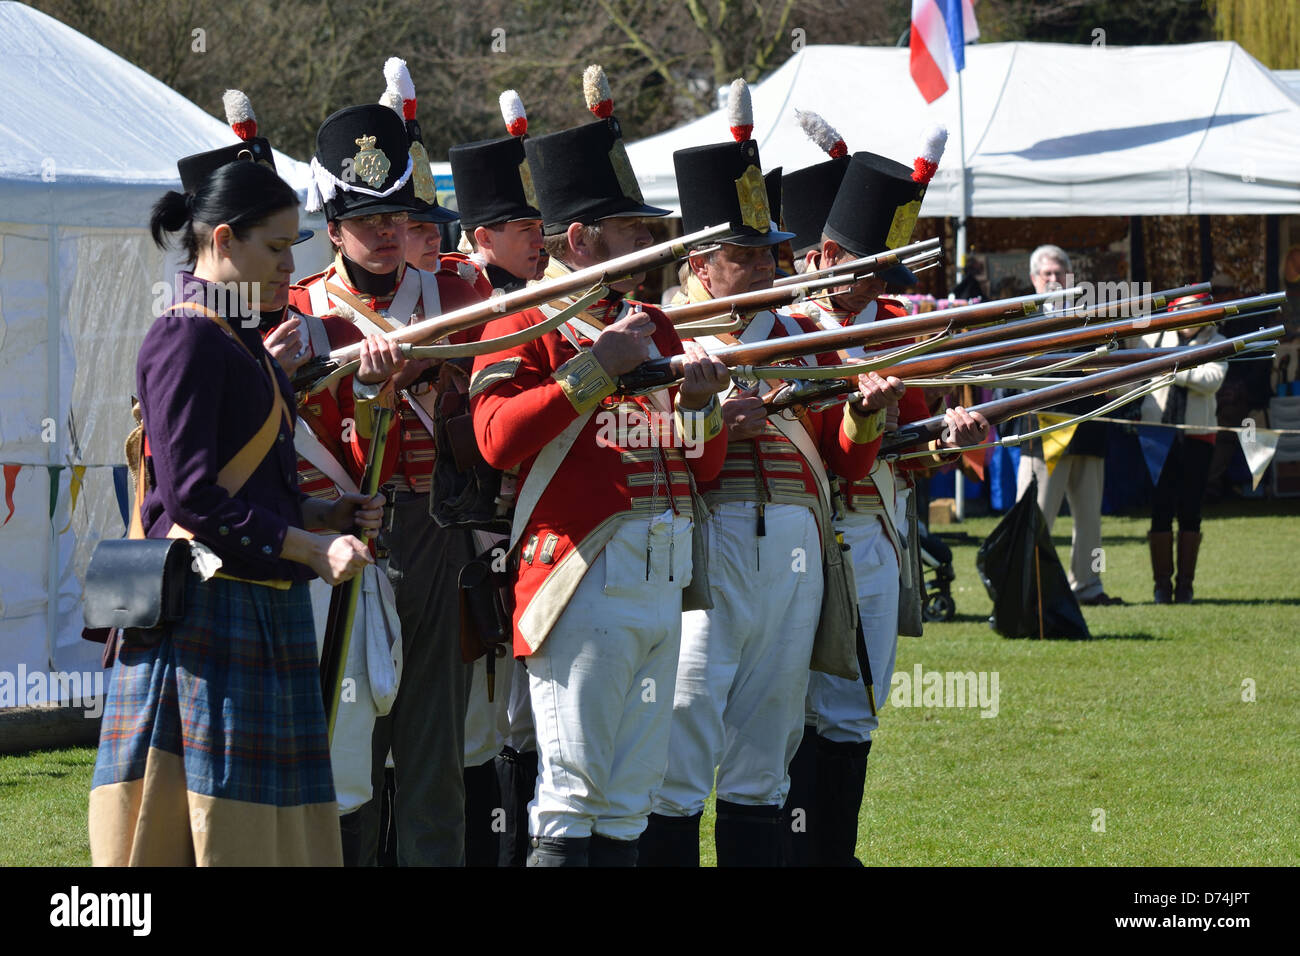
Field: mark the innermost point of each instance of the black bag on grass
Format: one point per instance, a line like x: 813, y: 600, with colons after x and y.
x: 1020, y: 570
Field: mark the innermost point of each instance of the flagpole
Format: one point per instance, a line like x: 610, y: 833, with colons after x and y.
x: 965, y: 209
x: 959, y: 492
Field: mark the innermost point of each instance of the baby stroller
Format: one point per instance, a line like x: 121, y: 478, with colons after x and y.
x: 936, y: 557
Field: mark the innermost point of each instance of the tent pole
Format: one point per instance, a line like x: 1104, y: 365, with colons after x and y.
x: 52, y: 405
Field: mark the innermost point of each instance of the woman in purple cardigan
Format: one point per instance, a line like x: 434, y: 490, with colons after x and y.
x: 213, y: 748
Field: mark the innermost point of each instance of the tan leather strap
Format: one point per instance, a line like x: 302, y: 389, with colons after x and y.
x: 236, y: 472
x: 356, y: 305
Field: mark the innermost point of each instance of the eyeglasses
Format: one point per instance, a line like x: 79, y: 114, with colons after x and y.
x: 382, y: 219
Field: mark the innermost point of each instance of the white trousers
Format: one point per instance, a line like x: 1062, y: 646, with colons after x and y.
x: 370, y: 681
x: 1079, y: 479
x: 743, y: 672
x: 842, y: 710
x: 601, y: 686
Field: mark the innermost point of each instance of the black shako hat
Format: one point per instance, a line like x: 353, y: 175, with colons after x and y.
x: 493, y: 182
x: 807, y: 197
x: 399, y: 96
x: 875, y: 209
x: 583, y: 175
x: 362, y: 164
x: 723, y: 182
x: 194, y: 170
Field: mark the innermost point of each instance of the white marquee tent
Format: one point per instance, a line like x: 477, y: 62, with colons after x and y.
x: 1051, y: 129
x: 89, y: 143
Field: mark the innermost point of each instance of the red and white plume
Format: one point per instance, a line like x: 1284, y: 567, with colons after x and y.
x: 740, y: 111
x: 822, y: 133
x: 512, y: 111
x: 239, y: 114
x: 595, y: 90
x: 924, y: 167
x: 399, y: 86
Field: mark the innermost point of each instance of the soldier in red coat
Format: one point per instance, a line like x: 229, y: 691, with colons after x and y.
x: 604, y: 516
x: 366, y: 181
x: 743, y: 668
x: 874, y: 207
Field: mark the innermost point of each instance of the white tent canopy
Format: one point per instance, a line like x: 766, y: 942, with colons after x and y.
x: 88, y: 137
x: 1051, y: 129
x: 90, y: 143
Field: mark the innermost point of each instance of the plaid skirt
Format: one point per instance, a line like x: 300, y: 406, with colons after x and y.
x: 213, y: 748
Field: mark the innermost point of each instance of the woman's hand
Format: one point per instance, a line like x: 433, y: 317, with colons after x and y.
x: 341, y: 559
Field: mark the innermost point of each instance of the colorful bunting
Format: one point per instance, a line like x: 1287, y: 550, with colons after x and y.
x: 121, y: 479
x: 1155, y: 442
x: 74, y: 489
x: 11, y: 475
x: 1055, y: 443
x: 54, y: 487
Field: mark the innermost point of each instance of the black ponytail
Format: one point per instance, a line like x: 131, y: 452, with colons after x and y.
x: 241, y: 194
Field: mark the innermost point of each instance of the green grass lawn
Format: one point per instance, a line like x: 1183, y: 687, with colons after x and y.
x: 1146, y: 723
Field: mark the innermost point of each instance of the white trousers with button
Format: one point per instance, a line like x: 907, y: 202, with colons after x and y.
x: 601, y: 686
x: 743, y: 671
x: 843, y: 712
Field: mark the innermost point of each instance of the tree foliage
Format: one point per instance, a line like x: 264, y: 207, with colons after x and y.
x: 1268, y: 29
x: 300, y: 60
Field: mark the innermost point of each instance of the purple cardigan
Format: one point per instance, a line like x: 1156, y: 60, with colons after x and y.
x: 202, y: 397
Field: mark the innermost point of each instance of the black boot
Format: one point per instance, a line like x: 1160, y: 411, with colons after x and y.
x: 516, y: 780
x: 671, y: 841
x: 797, y: 815
x: 483, y: 815
x: 841, y: 778
x: 559, y: 851
x: 606, y: 851
x: 748, y: 836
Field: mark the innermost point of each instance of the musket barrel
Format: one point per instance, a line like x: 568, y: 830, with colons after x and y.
x: 539, y: 294
x: 745, y: 302
x: 1000, y: 410
x: 866, y: 263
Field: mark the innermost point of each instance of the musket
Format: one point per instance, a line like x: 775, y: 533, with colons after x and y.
x: 660, y: 373
x: 342, y: 361
x: 1002, y: 409
x: 953, y: 359
x: 787, y: 292
x: 1112, y: 358
x: 345, y: 597
x: 747, y: 303
x: 1068, y: 317
x: 866, y: 264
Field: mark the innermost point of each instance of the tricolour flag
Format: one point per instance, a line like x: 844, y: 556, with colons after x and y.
x: 940, y: 30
